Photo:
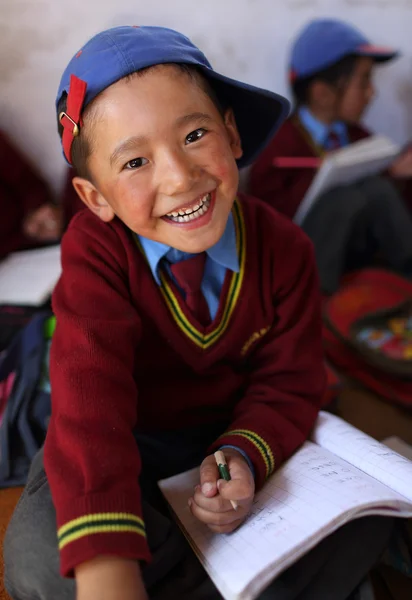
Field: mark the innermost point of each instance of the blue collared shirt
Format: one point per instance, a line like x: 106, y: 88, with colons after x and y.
x: 319, y: 132
x: 221, y: 256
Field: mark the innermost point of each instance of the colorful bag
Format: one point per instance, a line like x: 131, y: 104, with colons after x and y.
x: 12, y: 320
x: 27, y: 402
x: 368, y: 332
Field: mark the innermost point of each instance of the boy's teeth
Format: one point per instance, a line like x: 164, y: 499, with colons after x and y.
x: 183, y: 216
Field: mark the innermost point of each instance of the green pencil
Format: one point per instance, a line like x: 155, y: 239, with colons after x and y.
x: 224, y: 471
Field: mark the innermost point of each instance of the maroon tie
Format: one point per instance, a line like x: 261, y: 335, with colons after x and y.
x: 188, y: 275
x: 333, y: 141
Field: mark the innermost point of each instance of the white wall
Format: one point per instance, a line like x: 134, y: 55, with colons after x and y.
x: 246, y: 39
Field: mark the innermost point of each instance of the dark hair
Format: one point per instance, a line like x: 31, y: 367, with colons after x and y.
x: 82, y: 144
x: 332, y: 75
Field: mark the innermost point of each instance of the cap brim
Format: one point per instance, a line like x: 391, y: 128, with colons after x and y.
x: 378, y: 53
x: 259, y: 113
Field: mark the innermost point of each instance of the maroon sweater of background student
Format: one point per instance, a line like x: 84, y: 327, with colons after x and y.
x: 284, y: 188
x: 21, y: 192
x: 127, y: 353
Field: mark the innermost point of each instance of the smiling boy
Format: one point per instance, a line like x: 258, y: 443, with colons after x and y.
x: 187, y: 320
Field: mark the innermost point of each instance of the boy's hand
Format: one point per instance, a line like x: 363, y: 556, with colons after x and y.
x: 44, y: 224
x: 402, y: 167
x: 211, y: 500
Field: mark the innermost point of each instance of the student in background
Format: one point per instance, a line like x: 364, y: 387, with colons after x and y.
x: 187, y: 319
x: 28, y: 216
x: 331, y: 72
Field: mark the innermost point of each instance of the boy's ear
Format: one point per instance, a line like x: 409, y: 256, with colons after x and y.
x: 234, y: 137
x: 93, y: 199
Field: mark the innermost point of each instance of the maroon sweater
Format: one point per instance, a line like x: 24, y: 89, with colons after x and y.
x: 21, y: 192
x: 285, y: 188
x: 127, y: 352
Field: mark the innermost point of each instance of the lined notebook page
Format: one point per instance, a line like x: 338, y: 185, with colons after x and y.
x: 364, y: 452
x: 310, y: 496
x: 28, y: 278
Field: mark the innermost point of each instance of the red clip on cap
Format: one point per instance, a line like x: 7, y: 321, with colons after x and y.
x: 71, y: 120
x: 292, y: 76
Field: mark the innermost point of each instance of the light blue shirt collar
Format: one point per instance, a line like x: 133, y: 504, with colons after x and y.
x: 224, y: 252
x: 319, y: 131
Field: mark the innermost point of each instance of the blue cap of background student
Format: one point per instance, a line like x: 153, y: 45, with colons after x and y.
x: 118, y: 52
x: 324, y: 42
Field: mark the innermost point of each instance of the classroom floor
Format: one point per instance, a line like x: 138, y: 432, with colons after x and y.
x: 8, y: 500
x: 360, y: 408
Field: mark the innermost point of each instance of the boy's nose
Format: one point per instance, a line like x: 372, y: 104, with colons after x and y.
x: 176, y: 173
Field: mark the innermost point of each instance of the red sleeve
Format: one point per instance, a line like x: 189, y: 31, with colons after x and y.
x: 91, y: 457
x: 282, y: 188
x: 21, y: 191
x: 287, y: 377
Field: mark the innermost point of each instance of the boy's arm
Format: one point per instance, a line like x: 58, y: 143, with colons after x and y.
x: 287, y: 377
x: 282, y: 188
x: 22, y: 191
x: 118, y: 578
x: 91, y: 457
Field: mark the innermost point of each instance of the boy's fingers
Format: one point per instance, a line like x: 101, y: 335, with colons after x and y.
x: 209, y: 475
x: 217, y: 519
x: 236, y: 489
x: 226, y: 528
x: 215, y: 504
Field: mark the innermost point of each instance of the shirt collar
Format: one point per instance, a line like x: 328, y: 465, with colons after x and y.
x: 224, y: 252
x: 319, y: 131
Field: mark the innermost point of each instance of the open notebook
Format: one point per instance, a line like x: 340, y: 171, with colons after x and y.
x: 348, y: 165
x: 339, y: 475
x: 28, y: 277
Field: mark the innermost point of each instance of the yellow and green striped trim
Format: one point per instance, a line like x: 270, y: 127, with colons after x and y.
x: 260, y: 444
x: 111, y: 522
x: 202, y: 340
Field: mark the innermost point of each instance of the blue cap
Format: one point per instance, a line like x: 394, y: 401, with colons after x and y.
x: 118, y: 52
x: 324, y: 42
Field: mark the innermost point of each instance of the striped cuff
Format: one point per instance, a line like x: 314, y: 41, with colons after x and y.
x: 98, y: 524
x: 255, y: 447
x: 110, y: 522
x: 243, y: 453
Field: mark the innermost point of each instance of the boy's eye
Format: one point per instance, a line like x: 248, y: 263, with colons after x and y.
x: 136, y: 163
x: 195, y: 135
